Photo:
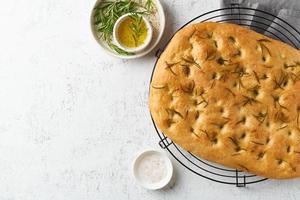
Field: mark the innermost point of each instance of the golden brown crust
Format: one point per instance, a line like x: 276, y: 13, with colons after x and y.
x: 232, y: 96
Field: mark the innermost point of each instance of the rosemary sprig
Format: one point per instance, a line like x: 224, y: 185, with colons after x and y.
x: 292, y: 66
x: 257, y: 143
x: 199, y: 91
x: 205, y: 35
x: 205, y: 132
x: 281, y: 81
x: 236, y: 143
x: 230, y: 91
x: 203, y: 101
x: 169, y: 67
x: 264, y: 49
x: 136, y: 27
x: 240, y: 83
x: 267, y: 66
x: 280, y: 117
x: 213, y: 84
x: 240, y: 71
x: 294, y: 77
x: 224, y: 75
x: 276, y: 101
x: 283, y: 127
x: 211, y: 138
x: 119, y: 50
x: 149, y: 5
x: 210, y: 56
x: 172, y: 112
x: 220, y: 125
x: 106, y: 14
x: 243, y: 167
x: 191, y: 60
x: 256, y: 76
x: 193, y: 132
x: 215, y: 43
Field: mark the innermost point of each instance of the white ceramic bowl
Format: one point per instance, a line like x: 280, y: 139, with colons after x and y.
x: 157, y: 185
x: 154, y: 42
x: 139, y: 48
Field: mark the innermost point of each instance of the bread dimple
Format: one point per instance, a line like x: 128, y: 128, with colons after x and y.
x: 231, y: 96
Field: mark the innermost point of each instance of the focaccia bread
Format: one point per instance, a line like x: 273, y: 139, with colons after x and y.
x: 232, y: 96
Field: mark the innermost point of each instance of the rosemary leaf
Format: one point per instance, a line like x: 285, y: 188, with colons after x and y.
x: 106, y: 14
x: 119, y: 50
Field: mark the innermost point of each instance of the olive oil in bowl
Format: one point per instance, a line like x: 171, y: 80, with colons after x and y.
x: 132, y: 32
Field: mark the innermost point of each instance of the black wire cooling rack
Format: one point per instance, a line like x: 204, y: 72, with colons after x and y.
x: 263, y: 22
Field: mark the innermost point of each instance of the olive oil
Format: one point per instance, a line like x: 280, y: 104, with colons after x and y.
x: 132, y: 32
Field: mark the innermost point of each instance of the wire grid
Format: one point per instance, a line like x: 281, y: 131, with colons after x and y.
x: 260, y: 21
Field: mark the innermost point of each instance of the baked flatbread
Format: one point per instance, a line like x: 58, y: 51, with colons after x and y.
x: 232, y: 96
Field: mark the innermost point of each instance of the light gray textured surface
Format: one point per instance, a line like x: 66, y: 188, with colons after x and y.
x: 72, y: 118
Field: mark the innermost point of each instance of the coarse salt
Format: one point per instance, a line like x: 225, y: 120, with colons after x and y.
x: 152, y: 169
